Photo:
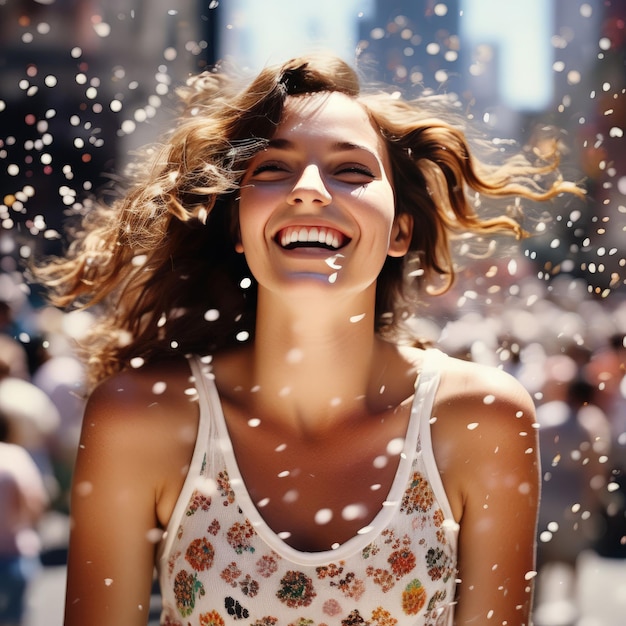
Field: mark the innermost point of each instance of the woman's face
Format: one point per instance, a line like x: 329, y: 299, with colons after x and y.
x: 317, y: 205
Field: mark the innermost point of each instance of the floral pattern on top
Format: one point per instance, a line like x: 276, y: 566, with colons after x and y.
x: 220, y: 568
x: 407, y: 570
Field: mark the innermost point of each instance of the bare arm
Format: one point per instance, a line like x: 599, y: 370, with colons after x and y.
x: 497, y: 485
x: 123, y: 462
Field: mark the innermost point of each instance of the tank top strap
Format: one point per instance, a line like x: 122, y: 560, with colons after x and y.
x: 195, y: 480
x: 427, y: 386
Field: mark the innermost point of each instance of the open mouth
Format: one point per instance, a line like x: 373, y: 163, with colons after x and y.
x: 323, y: 237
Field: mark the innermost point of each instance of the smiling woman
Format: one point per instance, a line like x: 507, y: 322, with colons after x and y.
x: 257, y: 428
x: 310, y: 180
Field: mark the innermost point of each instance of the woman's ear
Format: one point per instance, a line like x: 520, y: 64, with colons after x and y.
x: 401, y: 234
x: 239, y: 246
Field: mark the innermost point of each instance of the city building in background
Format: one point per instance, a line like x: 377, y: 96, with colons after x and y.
x: 255, y: 34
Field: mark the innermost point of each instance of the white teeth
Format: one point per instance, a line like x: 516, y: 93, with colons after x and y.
x: 313, y: 234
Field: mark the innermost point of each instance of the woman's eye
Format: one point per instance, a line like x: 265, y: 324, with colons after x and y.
x: 356, y: 172
x: 268, y: 168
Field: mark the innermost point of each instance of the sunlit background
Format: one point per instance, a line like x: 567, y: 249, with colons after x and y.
x: 85, y: 83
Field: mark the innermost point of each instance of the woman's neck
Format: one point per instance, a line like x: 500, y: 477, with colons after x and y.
x: 315, y: 363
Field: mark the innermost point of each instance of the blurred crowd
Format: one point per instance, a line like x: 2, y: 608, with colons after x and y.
x: 565, y: 345
x: 41, y: 408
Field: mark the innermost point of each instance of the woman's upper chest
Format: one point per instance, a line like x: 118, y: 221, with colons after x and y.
x: 318, y: 491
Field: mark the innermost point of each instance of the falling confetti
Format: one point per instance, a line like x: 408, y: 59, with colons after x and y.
x: 83, y: 90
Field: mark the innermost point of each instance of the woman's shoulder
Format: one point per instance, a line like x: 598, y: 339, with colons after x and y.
x: 465, y: 381
x: 491, y: 385
x: 157, y: 380
x: 152, y: 402
x: 483, y: 426
x: 461, y: 378
x: 482, y: 406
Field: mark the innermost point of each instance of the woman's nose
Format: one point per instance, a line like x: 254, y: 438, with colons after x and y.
x: 310, y: 187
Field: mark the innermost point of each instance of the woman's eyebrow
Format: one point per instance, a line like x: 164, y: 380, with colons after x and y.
x: 280, y: 144
x: 348, y: 146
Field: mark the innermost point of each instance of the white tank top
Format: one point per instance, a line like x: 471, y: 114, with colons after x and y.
x: 220, y: 564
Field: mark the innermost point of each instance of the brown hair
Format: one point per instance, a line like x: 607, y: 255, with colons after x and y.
x: 161, y: 258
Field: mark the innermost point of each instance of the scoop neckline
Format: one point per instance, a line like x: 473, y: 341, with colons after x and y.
x: 368, y: 533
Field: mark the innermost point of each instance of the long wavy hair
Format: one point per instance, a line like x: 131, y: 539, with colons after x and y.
x: 161, y: 262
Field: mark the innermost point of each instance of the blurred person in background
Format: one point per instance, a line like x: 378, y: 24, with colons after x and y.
x: 23, y: 501
x: 607, y: 372
x: 12, y: 352
x: 60, y: 374
x: 34, y: 421
x: 62, y: 378
x: 575, y: 440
